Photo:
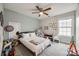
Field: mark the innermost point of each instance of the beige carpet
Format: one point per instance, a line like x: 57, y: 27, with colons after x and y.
x: 56, y: 49
x: 21, y: 50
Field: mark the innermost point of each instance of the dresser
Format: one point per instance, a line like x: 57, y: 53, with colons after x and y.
x: 1, y: 39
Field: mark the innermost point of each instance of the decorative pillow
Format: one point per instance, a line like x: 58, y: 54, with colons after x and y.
x: 33, y: 35
x: 25, y: 35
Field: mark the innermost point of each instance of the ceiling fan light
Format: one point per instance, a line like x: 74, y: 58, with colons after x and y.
x: 41, y: 13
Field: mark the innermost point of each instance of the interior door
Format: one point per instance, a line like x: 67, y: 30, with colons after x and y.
x: 17, y: 27
x: 1, y: 39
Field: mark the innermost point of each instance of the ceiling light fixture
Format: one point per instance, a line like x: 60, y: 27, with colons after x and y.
x: 41, y: 13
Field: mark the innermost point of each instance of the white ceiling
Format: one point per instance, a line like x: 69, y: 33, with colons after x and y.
x: 27, y: 8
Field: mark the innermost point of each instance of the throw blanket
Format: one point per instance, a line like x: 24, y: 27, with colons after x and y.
x: 36, y: 41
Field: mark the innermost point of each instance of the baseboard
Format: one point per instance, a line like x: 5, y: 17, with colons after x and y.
x: 64, y: 43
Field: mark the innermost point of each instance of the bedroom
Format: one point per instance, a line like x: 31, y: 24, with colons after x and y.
x: 56, y: 28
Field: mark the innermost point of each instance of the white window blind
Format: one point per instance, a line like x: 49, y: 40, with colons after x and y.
x: 65, y: 27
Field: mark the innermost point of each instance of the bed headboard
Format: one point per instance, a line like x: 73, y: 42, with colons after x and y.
x: 27, y: 32
x: 20, y: 34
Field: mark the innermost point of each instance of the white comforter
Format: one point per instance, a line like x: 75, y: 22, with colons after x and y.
x: 35, y: 48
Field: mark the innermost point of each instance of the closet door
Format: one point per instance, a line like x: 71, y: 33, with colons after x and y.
x: 1, y: 32
x: 1, y: 39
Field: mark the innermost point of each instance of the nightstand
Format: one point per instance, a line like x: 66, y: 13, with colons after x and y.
x: 49, y: 36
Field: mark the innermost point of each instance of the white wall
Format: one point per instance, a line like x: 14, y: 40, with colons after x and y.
x: 77, y: 27
x: 1, y: 7
x: 64, y: 16
x: 52, y: 24
x: 27, y: 23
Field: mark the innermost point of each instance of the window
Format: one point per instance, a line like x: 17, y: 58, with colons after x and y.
x: 65, y: 27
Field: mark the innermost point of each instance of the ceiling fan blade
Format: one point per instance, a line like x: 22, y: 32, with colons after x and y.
x: 34, y: 12
x: 47, y: 9
x: 38, y: 8
x: 45, y: 14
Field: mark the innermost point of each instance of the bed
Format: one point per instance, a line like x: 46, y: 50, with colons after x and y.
x: 34, y: 43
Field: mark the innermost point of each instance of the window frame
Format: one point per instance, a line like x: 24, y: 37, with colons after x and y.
x: 66, y: 27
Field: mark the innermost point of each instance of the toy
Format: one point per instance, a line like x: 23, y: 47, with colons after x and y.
x: 8, y: 48
x: 72, y: 49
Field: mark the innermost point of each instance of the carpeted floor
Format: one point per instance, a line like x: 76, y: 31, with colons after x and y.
x: 56, y: 49
x: 21, y: 50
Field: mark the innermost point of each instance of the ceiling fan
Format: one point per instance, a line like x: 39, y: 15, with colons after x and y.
x: 41, y: 11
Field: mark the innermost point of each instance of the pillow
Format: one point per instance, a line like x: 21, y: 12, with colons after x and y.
x: 25, y: 35
x: 32, y: 35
